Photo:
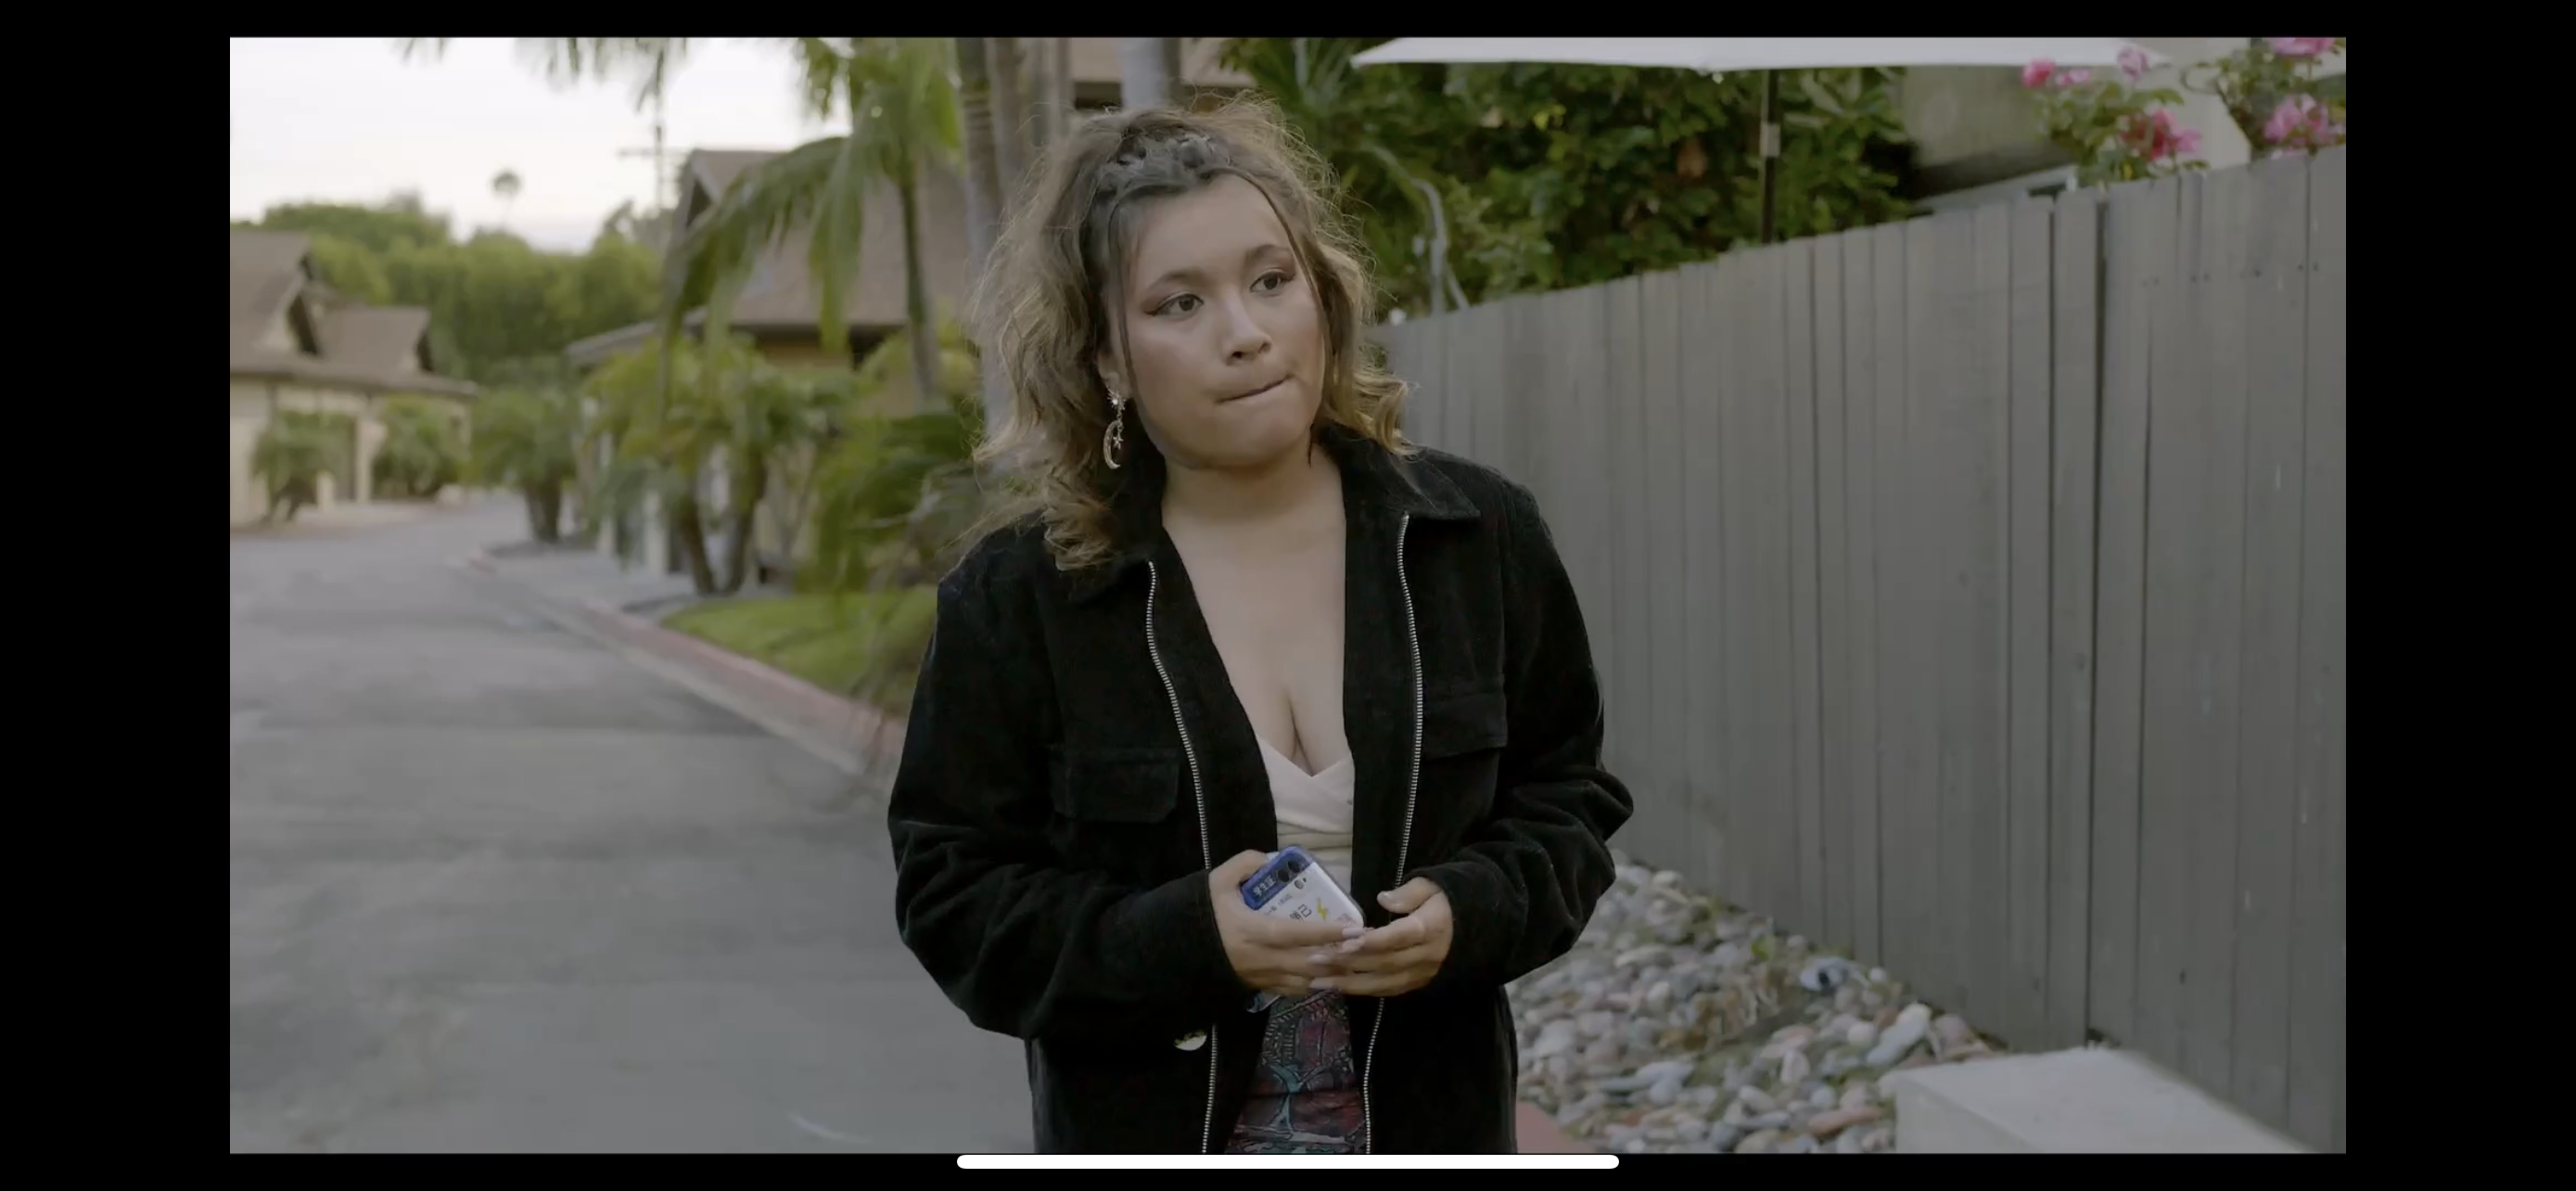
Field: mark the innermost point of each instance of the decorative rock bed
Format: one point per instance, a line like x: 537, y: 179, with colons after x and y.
x: 1678, y: 1025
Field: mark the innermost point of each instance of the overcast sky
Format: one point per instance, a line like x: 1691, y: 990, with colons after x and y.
x: 348, y: 119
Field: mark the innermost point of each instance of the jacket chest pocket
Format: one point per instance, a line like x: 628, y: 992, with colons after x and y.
x: 1120, y: 810
x: 1463, y: 735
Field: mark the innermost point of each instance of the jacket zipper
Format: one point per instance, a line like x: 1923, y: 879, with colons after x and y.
x: 1198, y: 797
x: 1404, y: 844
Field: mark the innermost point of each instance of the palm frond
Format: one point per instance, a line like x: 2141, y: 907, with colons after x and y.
x: 649, y: 61
x: 822, y: 72
x: 903, y: 103
x: 930, y: 89
x: 819, y: 185
x: 833, y: 247
x: 902, y: 96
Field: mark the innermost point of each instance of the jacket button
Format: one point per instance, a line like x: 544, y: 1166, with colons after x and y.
x: 1190, y: 1041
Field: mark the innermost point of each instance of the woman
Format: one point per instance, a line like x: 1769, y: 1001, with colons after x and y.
x: 1240, y: 612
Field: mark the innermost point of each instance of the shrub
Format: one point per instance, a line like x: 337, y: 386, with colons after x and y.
x: 422, y: 451
x: 2276, y: 92
x: 291, y: 457
x: 2117, y: 132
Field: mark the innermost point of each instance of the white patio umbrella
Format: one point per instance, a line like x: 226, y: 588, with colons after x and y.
x: 1718, y: 56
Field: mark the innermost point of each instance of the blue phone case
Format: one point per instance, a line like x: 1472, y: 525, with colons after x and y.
x: 1261, y: 886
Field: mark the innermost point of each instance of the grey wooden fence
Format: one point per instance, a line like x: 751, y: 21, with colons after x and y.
x: 1969, y: 594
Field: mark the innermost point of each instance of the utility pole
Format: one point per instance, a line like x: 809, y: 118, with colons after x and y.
x: 663, y: 175
x: 656, y: 528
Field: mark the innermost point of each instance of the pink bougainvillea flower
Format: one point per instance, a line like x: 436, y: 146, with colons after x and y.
x: 2302, y: 122
x: 2167, y: 141
x: 2300, y: 47
x: 2287, y: 119
x: 2138, y: 133
x: 2156, y: 138
x: 2036, y: 74
x: 2075, y: 78
x: 2133, y: 63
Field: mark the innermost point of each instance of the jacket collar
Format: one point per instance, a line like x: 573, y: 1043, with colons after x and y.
x: 1373, y: 480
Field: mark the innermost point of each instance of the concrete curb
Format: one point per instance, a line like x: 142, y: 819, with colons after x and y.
x: 880, y: 735
x: 857, y: 739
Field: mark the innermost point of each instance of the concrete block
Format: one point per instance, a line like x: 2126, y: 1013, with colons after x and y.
x: 2087, y: 1101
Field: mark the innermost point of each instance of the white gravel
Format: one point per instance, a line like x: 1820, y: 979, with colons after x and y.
x: 1679, y: 1025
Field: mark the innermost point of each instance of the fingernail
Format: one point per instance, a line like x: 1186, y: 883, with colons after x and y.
x: 1387, y: 896
x: 1326, y: 985
x: 1353, y: 932
x: 1319, y: 959
x: 1351, y: 946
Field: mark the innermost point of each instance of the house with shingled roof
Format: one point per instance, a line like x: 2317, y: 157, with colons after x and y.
x: 299, y: 346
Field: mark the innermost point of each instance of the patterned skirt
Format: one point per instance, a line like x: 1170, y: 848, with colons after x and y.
x: 1305, y: 1095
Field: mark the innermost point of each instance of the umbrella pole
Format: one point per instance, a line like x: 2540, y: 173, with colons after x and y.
x: 1770, y: 151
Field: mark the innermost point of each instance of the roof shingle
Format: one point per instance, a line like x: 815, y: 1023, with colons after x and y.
x: 267, y: 272
x: 375, y: 338
x: 354, y: 345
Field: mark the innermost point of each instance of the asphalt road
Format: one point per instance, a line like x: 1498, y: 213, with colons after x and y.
x: 495, y: 888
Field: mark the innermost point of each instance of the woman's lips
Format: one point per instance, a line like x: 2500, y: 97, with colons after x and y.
x: 1256, y: 392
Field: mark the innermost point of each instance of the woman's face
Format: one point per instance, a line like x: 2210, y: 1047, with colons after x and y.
x: 1224, y: 329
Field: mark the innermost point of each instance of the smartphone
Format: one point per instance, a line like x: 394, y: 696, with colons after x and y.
x: 1293, y: 886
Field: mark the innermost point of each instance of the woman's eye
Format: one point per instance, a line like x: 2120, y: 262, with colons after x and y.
x: 1181, y: 304
x: 1271, y: 283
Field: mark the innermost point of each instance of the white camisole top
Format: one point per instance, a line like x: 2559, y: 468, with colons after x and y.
x: 1314, y: 811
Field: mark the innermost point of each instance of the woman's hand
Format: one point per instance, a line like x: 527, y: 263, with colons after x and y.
x: 1270, y: 954
x: 1404, y: 954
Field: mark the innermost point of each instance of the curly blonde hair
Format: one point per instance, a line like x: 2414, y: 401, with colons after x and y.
x: 1045, y: 299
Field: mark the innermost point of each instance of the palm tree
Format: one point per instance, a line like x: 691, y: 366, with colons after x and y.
x: 1149, y: 70
x: 661, y: 414
x: 1060, y: 90
x: 1050, y: 93
x: 975, y: 94
x: 422, y: 450
x: 523, y: 438
x: 902, y: 98
x: 769, y: 417
x: 896, y: 496
x: 291, y: 456
x: 718, y: 403
x: 644, y: 414
x: 1004, y: 59
x: 975, y: 114
x: 505, y: 186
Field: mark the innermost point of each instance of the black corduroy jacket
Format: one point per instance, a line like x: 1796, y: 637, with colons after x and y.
x: 1076, y: 761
